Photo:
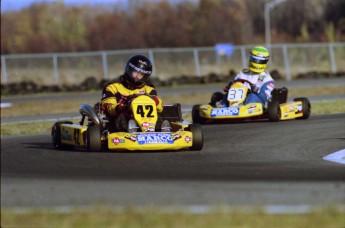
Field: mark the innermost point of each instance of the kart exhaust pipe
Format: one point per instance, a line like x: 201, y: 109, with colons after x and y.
x: 87, y: 110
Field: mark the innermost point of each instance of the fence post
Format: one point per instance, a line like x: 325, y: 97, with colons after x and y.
x: 244, y: 58
x: 197, y: 63
x: 56, y: 70
x: 4, y: 70
x: 286, y: 62
x: 105, y: 65
x: 331, y: 54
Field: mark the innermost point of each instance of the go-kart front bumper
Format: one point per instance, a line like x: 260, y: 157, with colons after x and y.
x: 245, y: 111
x: 150, y: 140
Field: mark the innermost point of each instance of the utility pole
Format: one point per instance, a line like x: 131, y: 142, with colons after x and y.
x: 269, y: 6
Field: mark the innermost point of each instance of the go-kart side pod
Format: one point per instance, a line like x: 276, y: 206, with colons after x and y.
x: 56, y: 135
x: 306, y: 107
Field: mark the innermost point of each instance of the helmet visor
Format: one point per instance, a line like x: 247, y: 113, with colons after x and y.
x: 137, y: 69
x: 258, y: 59
x: 137, y: 79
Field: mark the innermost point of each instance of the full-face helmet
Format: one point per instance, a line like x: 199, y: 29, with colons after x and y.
x: 258, y: 59
x: 138, y: 64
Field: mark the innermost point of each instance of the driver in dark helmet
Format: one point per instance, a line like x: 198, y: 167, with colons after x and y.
x: 116, y: 95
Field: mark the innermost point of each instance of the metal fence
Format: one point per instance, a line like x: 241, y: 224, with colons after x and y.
x: 73, y: 68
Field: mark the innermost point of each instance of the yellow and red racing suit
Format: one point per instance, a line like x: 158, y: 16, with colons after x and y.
x: 115, y: 91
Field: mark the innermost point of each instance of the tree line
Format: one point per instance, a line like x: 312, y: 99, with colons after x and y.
x: 55, y: 27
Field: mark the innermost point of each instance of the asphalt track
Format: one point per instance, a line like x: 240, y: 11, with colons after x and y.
x: 242, y: 164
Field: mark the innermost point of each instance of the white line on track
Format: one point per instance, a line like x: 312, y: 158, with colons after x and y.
x: 338, y: 157
x: 5, y: 105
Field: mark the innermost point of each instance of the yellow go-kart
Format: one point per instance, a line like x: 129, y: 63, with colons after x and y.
x: 141, y: 134
x: 275, y: 110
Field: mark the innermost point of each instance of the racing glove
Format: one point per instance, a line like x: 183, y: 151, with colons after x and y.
x: 227, y: 87
x: 122, y: 105
x: 254, y: 88
x: 120, y: 108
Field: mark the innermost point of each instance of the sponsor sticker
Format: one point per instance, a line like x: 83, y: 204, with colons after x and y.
x: 187, y: 139
x: 157, y: 138
x: 142, y: 62
x: 146, y: 124
x: 175, y: 136
x: 270, y: 86
x: 224, y: 112
x: 150, y: 129
x: 131, y: 137
x: 116, y: 140
x: 139, y: 69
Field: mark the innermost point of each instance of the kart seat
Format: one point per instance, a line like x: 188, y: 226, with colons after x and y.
x: 172, y: 112
x: 280, y: 95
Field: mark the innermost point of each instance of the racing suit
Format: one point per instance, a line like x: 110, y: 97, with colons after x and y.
x: 261, y: 86
x: 114, y: 102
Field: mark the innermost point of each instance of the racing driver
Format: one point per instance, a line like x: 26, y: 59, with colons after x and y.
x: 116, y: 95
x: 258, y: 81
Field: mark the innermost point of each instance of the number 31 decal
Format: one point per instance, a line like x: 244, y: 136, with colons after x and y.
x: 141, y: 110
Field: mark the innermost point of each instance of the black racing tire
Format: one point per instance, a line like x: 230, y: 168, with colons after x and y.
x: 306, y: 107
x: 216, y: 97
x: 93, y: 138
x: 196, y: 118
x: 274, y: 113
x: 198, y: 137
x: 56, y: 136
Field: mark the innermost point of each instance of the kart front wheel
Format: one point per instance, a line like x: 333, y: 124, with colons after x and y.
x: 93, y: 138
x: 196, y: 118
x: 274, y: 111
x: 306, y: 107
x: 198, y: 138
x: 56, y: 135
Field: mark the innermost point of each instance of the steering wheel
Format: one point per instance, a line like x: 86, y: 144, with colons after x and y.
x: 246, y: 81
x: 243, y: 81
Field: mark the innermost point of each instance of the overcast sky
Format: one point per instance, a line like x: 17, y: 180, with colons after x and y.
x: 14, y: 5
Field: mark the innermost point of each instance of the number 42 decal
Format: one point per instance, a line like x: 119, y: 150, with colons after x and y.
x: 141, y: 110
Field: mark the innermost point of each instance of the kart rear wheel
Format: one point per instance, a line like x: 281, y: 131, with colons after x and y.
x: 196, y: 118
x: 56, y: 136
x: 306, y: 107
x: 274, y: 111
x: 198, y: 138
x: 93, y: 138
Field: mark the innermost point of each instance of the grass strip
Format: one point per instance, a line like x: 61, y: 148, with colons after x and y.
x: 129, y: 217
